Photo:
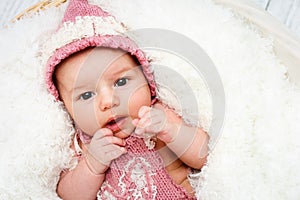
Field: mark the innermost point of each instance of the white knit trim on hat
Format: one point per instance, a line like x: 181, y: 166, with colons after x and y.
x: 86, y: 26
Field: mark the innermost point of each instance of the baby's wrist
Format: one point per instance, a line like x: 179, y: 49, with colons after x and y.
x: 170, y: 133
x: 94, y: 166
x: 183, y: 139
x: 173, y: 126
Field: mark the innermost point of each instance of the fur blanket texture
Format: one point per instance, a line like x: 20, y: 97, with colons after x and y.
x: 256, y: 154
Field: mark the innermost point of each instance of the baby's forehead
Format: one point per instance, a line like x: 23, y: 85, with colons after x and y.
x: 96, y: 63
x: 70, y: 63
x: 95, y: 56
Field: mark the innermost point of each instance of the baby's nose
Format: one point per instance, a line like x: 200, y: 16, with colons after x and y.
x: 107, y: 99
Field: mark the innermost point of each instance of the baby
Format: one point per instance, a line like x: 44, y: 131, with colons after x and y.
x: 107, y: 87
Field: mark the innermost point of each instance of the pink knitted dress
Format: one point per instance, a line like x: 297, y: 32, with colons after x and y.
x: 140, y: 174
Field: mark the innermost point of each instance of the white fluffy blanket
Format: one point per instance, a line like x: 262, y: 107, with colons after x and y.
x: 255, y: 157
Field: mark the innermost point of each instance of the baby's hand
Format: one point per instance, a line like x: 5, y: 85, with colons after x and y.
x: 104, y: 148
x: 158, y: 120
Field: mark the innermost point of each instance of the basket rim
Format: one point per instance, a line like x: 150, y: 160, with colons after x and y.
x: 41, y: 5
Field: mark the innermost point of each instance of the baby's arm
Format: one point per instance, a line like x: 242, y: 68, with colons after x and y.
x: 85, y: 180
x: 189, y: 143
x: 79, y: 183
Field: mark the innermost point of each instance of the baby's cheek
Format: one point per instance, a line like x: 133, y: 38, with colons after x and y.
x: 85, y: 117
x: 140, y: 97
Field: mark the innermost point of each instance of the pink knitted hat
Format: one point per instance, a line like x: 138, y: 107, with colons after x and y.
x: 86, y: 25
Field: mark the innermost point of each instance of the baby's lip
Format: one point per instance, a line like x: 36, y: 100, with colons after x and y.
x: 115, y: 123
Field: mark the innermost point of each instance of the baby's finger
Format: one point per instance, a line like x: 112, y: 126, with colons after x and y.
x: 109, y: 153
x: 142, y: 124
x: 103, y: 132
x: 139, y: 131
x: 145, y: 121
x: 155, y: 127
x: 135, y: 122
x: 111, y: 140
x: 116, y: 153
x: 109, y: 148
x: 146, y: 114
x: 155, y: 124
x: 143, y: 110
x: 151, y: 117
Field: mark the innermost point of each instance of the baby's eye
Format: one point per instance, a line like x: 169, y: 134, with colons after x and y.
x: 86, y: 95
x: 121, y: 82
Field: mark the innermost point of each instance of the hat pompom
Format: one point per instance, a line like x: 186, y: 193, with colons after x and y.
x: 82, y: 8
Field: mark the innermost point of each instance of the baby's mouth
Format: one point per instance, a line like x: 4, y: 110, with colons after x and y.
x: 114, y: 124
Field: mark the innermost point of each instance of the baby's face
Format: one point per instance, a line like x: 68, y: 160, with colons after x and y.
x: 102, y: 88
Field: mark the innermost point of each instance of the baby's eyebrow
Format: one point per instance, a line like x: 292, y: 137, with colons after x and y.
x: 78, y: 87
x: 121, y: 72
x: 84, y: 85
